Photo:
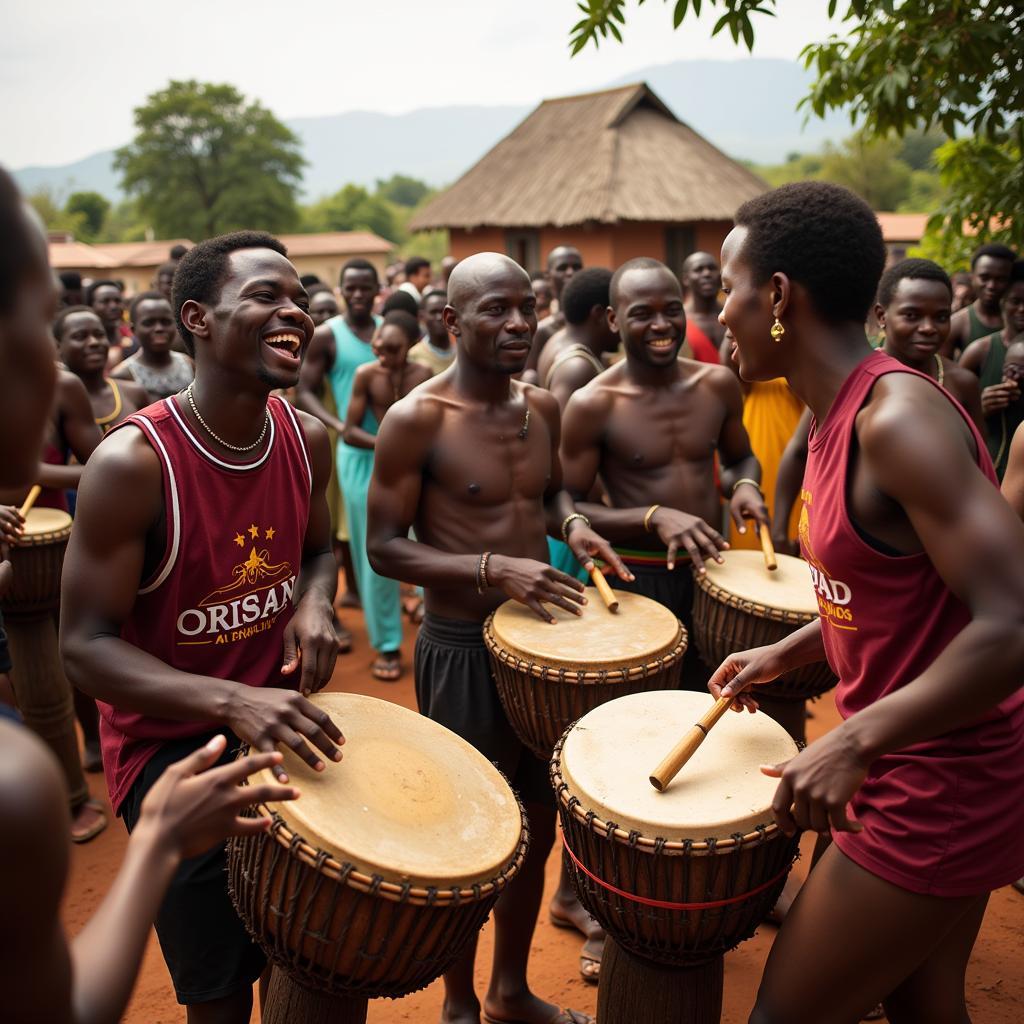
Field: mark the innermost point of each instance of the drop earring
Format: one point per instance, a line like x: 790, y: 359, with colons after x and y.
x: 777, y: 331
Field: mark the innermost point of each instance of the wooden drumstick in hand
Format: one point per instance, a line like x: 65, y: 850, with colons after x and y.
x: 687, y: 746
x: 30, y: 500
x: 770, y: 562
x: 603, y: 588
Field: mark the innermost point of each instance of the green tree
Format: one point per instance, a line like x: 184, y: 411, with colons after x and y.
x: 205, y: 160
x: 402, y: 190
x: 94, y: 209
x: 353, y: 208
x: 905, y: 65
x: 54, y: 214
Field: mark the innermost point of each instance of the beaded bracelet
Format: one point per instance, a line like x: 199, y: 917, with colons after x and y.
x: 568, y: 519
x: 482, y: 583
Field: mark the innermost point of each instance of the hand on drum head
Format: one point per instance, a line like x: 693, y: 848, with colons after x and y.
x: 311, y: 642
x: 12, y: 525
x: 585, y: 544
x: 266, y: 718
x: 193, y: 808
x: 742, y: 670
x: 681, y: 530
x: 817, y: 784
x: 535, y: 584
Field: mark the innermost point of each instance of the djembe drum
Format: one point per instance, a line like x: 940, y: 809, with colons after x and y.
x: 675, y: 878
x: 548, y: 676
x: 739, y: 605
x: 373, y: 881
x: 30, y: 608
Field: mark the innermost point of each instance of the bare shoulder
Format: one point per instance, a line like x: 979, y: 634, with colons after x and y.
x: 123, y: 370
x: 322, y: 342
x: 69, y: 387
x: 598, y: 395
x: 958, y: 375
x: 717, y: 378
x: 135, y: 392
x: 419, y: 414
x: 975, y: 353
x: 315, y: 431
x: 420, y: 372
x: 124, y: 464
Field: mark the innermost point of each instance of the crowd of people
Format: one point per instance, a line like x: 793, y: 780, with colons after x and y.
x: 489, y: 432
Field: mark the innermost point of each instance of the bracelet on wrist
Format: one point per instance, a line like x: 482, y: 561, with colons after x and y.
x: 482, y: 583
x: 568, y: 519
x: 746, y: 480
x: 648, y: 516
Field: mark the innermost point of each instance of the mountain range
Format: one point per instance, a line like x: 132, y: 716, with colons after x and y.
x: 745, y: 107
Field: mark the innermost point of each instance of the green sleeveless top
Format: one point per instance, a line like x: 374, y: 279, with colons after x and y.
x: 349, y: 354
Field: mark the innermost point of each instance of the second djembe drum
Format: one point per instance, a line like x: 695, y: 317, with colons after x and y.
x: 547, y: 676
x: 676, y: 878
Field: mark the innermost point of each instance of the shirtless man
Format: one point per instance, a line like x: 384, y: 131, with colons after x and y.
x: 990, y: 274
x: 83, y: 347
x: 198, y: 583
x: 650, y: 426
x: 470, y: 459
x: 702, y: 281
x: 563, y: 262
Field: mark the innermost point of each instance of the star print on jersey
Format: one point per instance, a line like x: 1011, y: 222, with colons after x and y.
x: 259, y: 589
x: 834, y: 596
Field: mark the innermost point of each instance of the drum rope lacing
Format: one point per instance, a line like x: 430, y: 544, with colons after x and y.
x: 665, y: 904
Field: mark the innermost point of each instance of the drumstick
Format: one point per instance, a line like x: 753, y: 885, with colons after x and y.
x: 606, y: 592
x: 687, y: 746
x: 768, y: 548
x: 30, y: 500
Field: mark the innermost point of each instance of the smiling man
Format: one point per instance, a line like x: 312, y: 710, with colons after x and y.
x: 702, y: 281
x: 156, y: 366
x: 470, y: 459
x: 199, y: 580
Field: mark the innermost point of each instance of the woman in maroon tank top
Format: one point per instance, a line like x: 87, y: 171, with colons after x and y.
x: 918, y: 565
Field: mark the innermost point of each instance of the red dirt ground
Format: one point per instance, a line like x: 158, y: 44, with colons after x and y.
x: 995, y: 979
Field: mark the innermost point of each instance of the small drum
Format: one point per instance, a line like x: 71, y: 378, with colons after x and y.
x: 676, y: 878
x: 373, y: 881
x: 739, y: 604
x: 37, y: 560
x: 548, y: 676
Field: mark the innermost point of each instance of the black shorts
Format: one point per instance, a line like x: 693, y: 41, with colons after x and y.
x: 675, y: 591
x: 205, y: 945
x: 5, y: 651
x: 455, y: 688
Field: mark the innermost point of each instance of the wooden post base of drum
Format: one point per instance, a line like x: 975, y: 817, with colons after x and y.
x: 634, y: 989
x: 288, y: 1002
x: 44, y: 695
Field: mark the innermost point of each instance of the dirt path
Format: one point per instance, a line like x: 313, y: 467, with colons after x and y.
x: 995, y: 981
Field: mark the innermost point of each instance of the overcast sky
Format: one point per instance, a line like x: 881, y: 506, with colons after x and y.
x: 71, y: 73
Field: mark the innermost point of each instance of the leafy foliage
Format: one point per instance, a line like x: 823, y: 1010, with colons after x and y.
x: 954, y: 65
x: 402, y: 190
x: 205, y: 160
x: 93, y: 209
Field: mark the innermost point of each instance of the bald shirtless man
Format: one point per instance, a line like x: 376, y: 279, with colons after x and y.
x: 650, y: 426
x: 470, y: 459
x: 702, y: 281
x: 564, y: 261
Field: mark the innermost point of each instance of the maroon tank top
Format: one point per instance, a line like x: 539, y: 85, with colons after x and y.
x: 944, y: 817
x: 221, y: 597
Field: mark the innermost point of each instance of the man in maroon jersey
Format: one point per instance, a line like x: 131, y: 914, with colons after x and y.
x: 199, y: 582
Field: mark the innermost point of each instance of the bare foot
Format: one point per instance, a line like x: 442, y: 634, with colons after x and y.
x: 89, y: 821
x: 460, y: 1015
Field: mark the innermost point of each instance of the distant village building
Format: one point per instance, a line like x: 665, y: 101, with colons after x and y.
x: 135, y: 263
x: 901, y: 232
x: 614, y: 173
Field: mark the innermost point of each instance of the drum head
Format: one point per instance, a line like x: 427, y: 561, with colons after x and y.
x: 410, y: 801
x: 639, y: 632
x: 608, y: 757
x: 41, y: 523
x: 743, y: 575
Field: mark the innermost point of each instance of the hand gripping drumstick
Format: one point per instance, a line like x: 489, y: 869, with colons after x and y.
x: 768, y: 548
x: 687, y: 746
x: 30, y: 500
x: 606, y: 592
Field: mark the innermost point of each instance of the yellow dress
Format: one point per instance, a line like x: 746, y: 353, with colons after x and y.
x: 770, y: 413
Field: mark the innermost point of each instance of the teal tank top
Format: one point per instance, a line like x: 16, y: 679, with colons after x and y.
x: 349, y: 354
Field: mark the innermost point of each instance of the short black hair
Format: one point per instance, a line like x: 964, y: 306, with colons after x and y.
x: 90, y: 292
x: 414, y: 264
x: 71, y: 279
x: 587, y: 289
x: 994, y: 250
x: 405, y: 322
x: 62, y: 316
x: 308, y: 280
x: 166, y: 268
x: 358, y: 263
x: 433, y: 293
x: 203, y: 268
x: 912, y: 270
x: 177, y: 251
x: 144, y: 297
x: 317, y: 287
x: 824, y: 237
x: 401, y: 301
x: 639, y: 263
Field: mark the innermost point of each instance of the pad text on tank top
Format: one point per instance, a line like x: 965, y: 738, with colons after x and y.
x: 218, y: 602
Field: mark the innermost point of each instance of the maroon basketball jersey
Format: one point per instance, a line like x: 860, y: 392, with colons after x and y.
x: 221, y: 597
x: 943, y: 817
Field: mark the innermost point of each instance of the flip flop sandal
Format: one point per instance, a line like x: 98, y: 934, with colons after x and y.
x: 386, y: 670
x: 96, y: 829
x: 563, y: 1016
x: 590, y: 976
